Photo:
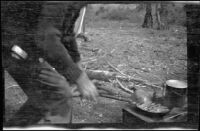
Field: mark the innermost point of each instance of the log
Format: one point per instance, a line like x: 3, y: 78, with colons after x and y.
x: 107, y: 76
x: 111, y: 90
x: 101, y: 75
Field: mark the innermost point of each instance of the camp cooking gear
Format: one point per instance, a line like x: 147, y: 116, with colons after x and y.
x: 175, y: 93
x: 144, y: 104
x: 152, y: 109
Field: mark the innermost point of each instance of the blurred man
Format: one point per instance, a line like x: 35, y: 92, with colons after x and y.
x: 33, y: 27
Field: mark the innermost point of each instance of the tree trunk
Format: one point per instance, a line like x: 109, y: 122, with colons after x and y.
x: 148, y: 19
x: 161, y: 12
x: 158, y: 17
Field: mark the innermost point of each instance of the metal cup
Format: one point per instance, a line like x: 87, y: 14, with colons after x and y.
x: 175, y: 94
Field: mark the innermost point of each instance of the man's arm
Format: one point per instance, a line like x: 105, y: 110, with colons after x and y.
x: 57, y: 55
x: 60, y: 49
x: 72, y: 13
x: 58, y: 33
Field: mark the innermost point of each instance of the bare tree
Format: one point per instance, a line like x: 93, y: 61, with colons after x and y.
x: 140, y: 7
x: 161, y: 14
x: 148, y: 19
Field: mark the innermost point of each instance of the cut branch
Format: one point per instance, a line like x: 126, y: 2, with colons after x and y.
x: 91, y: 49
x: 115, y: 68
x: 124, y: 88
x: 89, y: 60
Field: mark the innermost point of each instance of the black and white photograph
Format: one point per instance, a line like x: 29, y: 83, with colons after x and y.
x: 100, y: 65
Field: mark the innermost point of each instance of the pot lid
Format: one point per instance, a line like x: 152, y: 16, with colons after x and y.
x: 176, y: 84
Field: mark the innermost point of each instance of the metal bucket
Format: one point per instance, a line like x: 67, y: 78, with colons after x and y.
x: 175, y: 94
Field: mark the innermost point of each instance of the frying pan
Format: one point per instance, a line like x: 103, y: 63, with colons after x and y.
x: 136, y: 106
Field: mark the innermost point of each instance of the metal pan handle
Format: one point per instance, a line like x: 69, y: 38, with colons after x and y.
x: 116, y: 98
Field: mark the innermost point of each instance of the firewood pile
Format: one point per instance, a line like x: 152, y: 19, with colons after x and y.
x: 126, y: 83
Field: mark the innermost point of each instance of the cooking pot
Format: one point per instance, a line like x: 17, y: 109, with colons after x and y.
x: 175, y: 93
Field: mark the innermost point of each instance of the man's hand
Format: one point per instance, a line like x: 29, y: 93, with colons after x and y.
x: 49, y: 76
x: 86, y: 87
x: 79, y: 65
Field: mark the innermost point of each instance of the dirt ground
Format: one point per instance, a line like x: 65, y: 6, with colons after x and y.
x: 147, y: 54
